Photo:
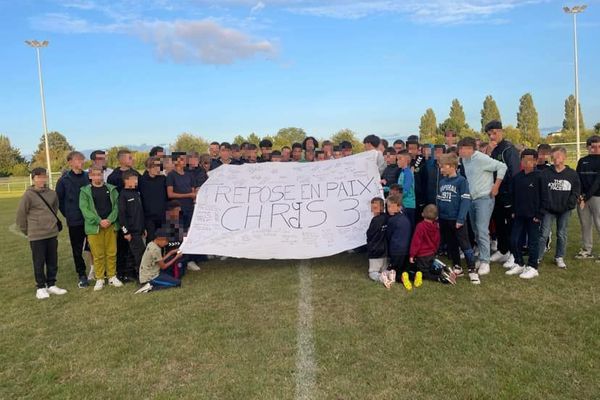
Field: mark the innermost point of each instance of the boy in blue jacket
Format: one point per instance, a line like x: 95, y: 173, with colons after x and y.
x: 406, y: 180
x: 454, y: 201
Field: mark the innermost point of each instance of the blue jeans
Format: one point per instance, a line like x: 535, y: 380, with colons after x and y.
x: 480, y: 214
x: 562, y: 221
x: 525, y: 226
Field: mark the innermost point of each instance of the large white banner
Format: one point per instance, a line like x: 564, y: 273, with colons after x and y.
x: 285, y: 210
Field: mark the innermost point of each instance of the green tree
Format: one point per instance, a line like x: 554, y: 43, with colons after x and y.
x: 428, y: 128
x: 597, y: 128
x: 350, y: 136
x: 527, y: 121
x: 512, y: 134
x: 569, y: 121
x: 489, y: 112
x: 287, y: 136
x: 10, y: 157
x: 59, y: 148
x: 189, y: 143
x: 456, y: 120
x: 253, y: 138
x: 239, y: 139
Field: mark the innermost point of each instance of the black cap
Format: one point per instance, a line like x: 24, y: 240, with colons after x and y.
x: 495, y: 124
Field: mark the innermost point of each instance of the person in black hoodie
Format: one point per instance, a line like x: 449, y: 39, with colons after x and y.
x: 116, y: 179
x: 527, y: 215
x: 131, y: 220
x: 560, y: 194
x: 153, y: 191
x: 506, y: 153
x: 399, y: 233
x: 418, y: 164
x: 377, y: 244
x: 391, y: 171
x: 67, y: 190
x: 588, y: 169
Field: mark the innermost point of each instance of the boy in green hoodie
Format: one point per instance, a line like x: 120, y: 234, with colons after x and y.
x: 98, y: 202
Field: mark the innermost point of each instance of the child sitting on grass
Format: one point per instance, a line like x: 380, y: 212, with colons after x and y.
x: 377, y: 245
x: 152, y: 275
x: 423, y: 248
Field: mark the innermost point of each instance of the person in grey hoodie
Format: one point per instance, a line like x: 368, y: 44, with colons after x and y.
x: 36, y: 218
x: 479, y: 170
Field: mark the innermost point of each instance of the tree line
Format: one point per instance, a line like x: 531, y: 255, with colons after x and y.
x: 526, y: 132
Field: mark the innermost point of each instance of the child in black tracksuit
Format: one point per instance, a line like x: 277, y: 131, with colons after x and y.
x: 391, y: 172
x: 527, y: 215
x: 399, y: 232
x: 377, y: 244
x: 131, y: 219
x: 153, y: 191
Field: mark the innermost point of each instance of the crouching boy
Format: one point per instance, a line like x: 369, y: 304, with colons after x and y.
x: 152, y: 275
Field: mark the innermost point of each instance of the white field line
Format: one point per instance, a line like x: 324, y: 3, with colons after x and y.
x: 305, y: 362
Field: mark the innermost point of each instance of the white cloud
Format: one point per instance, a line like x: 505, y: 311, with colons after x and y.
x: 202, y: 41
x: 257, y: 7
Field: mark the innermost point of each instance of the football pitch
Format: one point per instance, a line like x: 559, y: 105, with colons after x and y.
x: 318, y: 329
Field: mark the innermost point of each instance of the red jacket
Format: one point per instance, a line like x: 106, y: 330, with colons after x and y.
x: 426, y: 240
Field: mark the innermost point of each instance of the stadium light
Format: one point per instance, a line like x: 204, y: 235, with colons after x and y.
x: 37, y: 45
x: 574, y: 11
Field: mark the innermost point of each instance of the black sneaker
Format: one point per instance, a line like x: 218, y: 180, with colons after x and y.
x: 83, y: 282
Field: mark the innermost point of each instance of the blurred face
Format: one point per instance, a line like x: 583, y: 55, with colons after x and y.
x: 310, y: 145
x: 161, y: 241
x: 398, y: 147
x: 321, y: 157
x: 465, y: 152
x: 276, y: 158
x: 167, y: 164
x: 154, y: 169
x: 126, y: 160
x: 394, y: 192
x: 337, y: 154
x: 286, y: 154
x: 193, y: 162
x: 236, y: 154
x: 427, y: 152
x: 558, y: 157
x: 206, y: 165
x: 413, y: 150
x: 528, y: 163
x: 595, y: 148
x: 252, y: 156
x: 346, y: 152
x: 390, y: 159
x: 100, y: 160
x: 393, y: 208
x: 297, y: 154
x: 447, y: 169
x: 131, y: 183
x: 376, y: 208
x: 180, y: 162
x: 328, y: 150
x: 39, y: 181
x: 76, y: 163
x: 542, y: 157
x: 450, y: 139
x: 213, y: 149
x: 265, y: 152
x: 96, y: 177
x: 438, y: 152
x: 403, y: 161
x: 495, y: 135
x: 225, y: 153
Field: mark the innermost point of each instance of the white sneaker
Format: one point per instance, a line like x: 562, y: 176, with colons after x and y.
x: 484, y: 268
x: 192, y: 266
x: 516, y: 270
x: 510, y: 263
x: 41, y: 294
x: 99, y: 285
x: 474, y: 277
x: 114, y: 281
x: 383, y: 278
x: 529, y: 273
x: 560, y: 263
x: 584, y: 255
x: 499, y: 257
x: 92, y: 274
x: 56, y: 290
x: 144, y: 289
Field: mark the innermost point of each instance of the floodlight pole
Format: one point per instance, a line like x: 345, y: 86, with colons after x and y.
x: 574, y: 11
x: 37, y: 45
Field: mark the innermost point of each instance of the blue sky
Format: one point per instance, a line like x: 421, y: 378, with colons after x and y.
x: 144, y: 71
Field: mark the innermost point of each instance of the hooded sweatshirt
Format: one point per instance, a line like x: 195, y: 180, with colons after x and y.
x: 480, y: 170
x: 560, y: 190
x: 426, y: 240
x: 588, y: 169
x: 154, y: 195
x: 398, y: 232
x: 34, y: 218
x: 527, y: 192
x: 67, y: 190
x: 376, y: 239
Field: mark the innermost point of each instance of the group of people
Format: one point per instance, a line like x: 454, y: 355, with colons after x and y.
x: 457, y: 197
x: 133, y: 224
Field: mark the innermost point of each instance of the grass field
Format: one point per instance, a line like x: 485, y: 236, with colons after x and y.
x: 239, y: 330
